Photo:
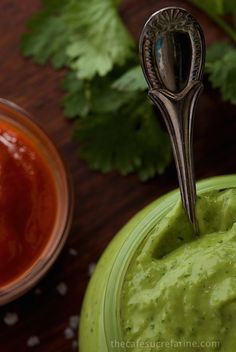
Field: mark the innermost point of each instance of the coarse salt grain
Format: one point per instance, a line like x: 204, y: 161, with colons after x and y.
x: 74, y: 321
x: 33, y: 341
x: 38, y: 291
x: 74, y: 345
x: 10, y: 319
x: 69, y: 333
x: 91, y: 268
x: 73, y: 252
x: 62, y: 288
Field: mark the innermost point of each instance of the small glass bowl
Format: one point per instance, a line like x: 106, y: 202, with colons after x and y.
x: 17, y: 117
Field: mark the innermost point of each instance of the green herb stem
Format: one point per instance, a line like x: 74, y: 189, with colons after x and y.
x: 225, y: 26
x: 216, y: 18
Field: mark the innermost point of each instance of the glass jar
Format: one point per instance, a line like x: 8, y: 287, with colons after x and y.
x: 16, y: 117
x: 100, y: 329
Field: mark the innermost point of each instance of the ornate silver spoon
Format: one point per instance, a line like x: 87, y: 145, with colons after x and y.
x: 172, y: 51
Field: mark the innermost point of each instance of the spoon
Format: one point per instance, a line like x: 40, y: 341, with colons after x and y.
x: 172, y: 52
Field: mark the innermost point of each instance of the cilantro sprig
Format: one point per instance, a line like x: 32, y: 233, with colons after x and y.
x: 117, y: 128
x: 221, y: 56
x: 105, y: 89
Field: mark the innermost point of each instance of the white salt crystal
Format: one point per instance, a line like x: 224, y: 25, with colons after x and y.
x: 62, y: 288
x: 10, y: 319
x: 74, y: 321
x: 91, y: 268
x: 33, y: 341
x: 73, y: 252
x: 38, y: 291
x: 74, y: 345
x: 69, y: 333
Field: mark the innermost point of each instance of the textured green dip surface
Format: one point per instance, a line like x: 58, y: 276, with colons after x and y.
x: 179, y: 292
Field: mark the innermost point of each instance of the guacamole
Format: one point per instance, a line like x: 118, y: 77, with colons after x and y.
x: 179, y: 292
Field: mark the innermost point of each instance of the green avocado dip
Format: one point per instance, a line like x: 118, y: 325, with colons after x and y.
x: 179, y: 293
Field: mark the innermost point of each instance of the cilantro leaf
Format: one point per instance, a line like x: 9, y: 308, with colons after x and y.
x: 210, y: 6
x: 104, y: 98
x: 229, y: 6
x: 76, y: 102
x: 87, y: 36
x: 129, y: 140
x: 48, y: 36
x: 222, y: 70
x: 154, y: 145
x: 100, y: 40
x: 216, y: 7
x: 96, y: 96
x: 132, y: 80
x: 216, y: 51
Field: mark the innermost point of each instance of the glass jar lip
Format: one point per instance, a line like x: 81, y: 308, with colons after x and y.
x: 24, y: 282
x: 149, y: 216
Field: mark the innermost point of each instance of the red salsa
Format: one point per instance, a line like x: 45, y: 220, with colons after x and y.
x: 28, y: 202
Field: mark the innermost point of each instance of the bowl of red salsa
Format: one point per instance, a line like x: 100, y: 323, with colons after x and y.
x: 35, y: 202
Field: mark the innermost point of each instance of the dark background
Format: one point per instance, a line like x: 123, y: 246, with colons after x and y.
x: 103, y: 202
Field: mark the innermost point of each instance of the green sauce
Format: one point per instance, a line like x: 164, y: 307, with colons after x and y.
x: 179, y: 292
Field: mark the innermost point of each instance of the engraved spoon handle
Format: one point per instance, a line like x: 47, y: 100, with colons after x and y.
x: 172, y: 51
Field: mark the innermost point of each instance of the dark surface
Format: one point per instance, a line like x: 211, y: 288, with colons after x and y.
x: 103, y: 202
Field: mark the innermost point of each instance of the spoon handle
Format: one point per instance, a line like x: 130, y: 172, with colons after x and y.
x: 179, y: 118
x: 172, y: 52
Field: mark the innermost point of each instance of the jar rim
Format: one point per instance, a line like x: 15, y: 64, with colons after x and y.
x: 152, y: 214
x: 22, y: 120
